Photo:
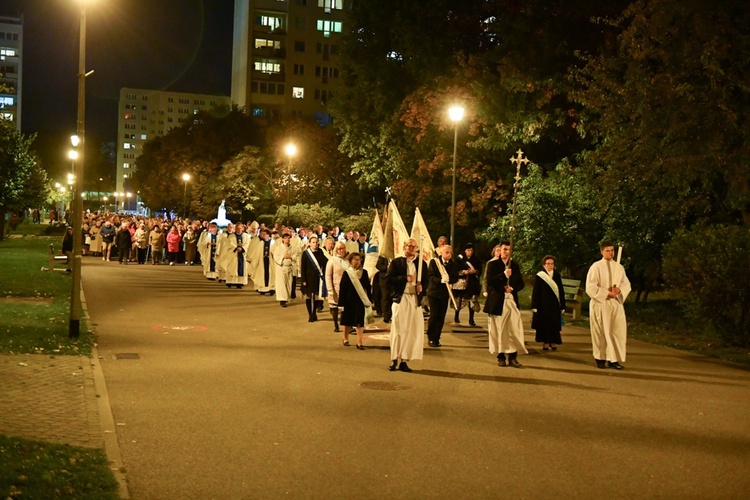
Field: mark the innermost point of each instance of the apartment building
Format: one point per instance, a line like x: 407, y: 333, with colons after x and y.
x: 143, y: 114
x: 11, y: 68
x: 285, y: 57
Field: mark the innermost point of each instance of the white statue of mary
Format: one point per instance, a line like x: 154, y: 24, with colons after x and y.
x: 221, y: 217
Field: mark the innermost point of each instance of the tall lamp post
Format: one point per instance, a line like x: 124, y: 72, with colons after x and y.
x: 186, y: 178
x: 74, y: 325
x: 456, y: 114
x: 291, y: 150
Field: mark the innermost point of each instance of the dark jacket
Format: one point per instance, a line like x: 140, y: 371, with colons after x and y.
x: 437, y: 288
x: 309, y: 271
x: 107, y: 233
x: 496, y: 282
x: 473, y: 286
x: 124, y: 238
x: 353, y: 313
x: 547, y: 305
x: 396, y: 278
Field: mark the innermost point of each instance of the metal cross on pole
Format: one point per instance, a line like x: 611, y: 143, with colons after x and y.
x: 518, y: 160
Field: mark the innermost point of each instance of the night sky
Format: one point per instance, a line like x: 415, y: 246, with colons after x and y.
x: 178, y: 45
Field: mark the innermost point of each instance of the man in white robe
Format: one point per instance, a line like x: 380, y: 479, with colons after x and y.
x: 260, y: 259
x: 221, y: 252
x: 284, y: 256
x: 407, y: 321
x: 608, y: 286
x: 207, y: 249
x: 236, y: 266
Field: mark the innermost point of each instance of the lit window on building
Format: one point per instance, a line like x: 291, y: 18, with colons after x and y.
x: 298, y: 92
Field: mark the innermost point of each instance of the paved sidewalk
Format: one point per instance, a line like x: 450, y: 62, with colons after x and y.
x: 50, y: 398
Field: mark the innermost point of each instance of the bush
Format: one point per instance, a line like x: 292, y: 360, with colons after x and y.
x: 302, y: 215
x: 362, y: 222
x: 705, y: 266
x: 54, y: 229
x: 14, y: 222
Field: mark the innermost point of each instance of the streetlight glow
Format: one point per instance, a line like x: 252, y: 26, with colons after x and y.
x: 185, y: 177
x: 291, y: 150
x: 75, y: 140
x: 73, y: 154
x: 456, y: 114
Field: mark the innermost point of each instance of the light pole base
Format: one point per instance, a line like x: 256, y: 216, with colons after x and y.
x: 74, y: 328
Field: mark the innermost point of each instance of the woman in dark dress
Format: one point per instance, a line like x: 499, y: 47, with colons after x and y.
x: 548, y: 303
x: 355, y: 300
x: 468, y: 287
x: 313, y: 271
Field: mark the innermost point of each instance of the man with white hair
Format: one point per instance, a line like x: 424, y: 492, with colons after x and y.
x: 408, y: 287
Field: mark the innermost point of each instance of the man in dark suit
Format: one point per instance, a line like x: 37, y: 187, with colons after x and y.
x: 505, y: 332
x: 443, y: 273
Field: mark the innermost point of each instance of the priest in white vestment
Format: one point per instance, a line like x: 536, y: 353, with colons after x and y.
x: 284, y: 256
x: 221, y: 252
x: 236, y: 266
x: 260, y: 259
x: 608, y: 286
x: 207, y: 249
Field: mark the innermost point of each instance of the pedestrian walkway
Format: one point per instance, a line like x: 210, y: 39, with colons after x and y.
x: 50, y: 398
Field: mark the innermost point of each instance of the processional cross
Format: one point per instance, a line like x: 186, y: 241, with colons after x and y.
x: 519, y: 160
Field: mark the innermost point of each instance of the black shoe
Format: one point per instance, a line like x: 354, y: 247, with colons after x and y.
x: 435, y: 344
x: 345, y: 342
x: 404, y: 367
x: 615, y: 365
x: 336, y: 329
x: 471, y: 323
x: 502, y: 362
x: 392, y: 366
x: 360, y: 347
x: 601, y: 364
x: 283, y: 303
x: 272, y: 293
x: 514, y: 363
x: 386, y: 321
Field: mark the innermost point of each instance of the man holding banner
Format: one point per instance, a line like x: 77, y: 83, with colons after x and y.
x: 408, y: 286
x: 443, y: 273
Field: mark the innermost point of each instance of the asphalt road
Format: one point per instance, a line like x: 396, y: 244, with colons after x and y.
x: 232, y: 396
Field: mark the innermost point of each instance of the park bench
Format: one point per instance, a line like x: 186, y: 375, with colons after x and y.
x: 573, y: 296
x: 55, y: 259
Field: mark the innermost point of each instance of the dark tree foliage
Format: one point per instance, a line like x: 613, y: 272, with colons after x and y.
x: 199, y: 147
x: 666, y: 111
x: 23, y: 182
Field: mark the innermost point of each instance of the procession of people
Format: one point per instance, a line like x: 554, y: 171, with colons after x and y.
x: 417, y: 284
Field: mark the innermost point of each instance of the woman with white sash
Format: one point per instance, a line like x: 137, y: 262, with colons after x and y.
x: 355, y: 299
x: 312, y: 269
x: 548, y: 304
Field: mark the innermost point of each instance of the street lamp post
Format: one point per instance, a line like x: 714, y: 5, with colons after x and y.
x: 456, y: 114
x: 291, y: 150
x: 74, y: 325
x: 105, y: 199
x: 186, y: 178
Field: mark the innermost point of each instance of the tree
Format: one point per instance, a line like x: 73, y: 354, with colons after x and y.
x: 23, y: 182
x: 199, y: 146
x: 666, y: 112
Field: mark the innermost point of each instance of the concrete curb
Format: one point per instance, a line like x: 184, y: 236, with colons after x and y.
x: 106, y: 419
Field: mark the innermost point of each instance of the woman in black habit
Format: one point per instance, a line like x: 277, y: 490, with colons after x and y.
x: 548, y: 304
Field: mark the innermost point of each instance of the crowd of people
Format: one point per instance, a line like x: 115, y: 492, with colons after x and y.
x: 329, y: 266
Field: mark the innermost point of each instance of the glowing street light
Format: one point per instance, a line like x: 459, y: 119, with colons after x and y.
x: 290, y: 150
x: 456, y: 114
x: 186, y: 178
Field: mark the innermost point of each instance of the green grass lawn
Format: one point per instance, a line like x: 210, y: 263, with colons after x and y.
x: 34, y: 469
x: 35, y: 304
x: 35, y: 310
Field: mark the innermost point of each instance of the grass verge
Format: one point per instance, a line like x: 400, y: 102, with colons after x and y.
x: 35, y: 304
x: 34, y: 469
